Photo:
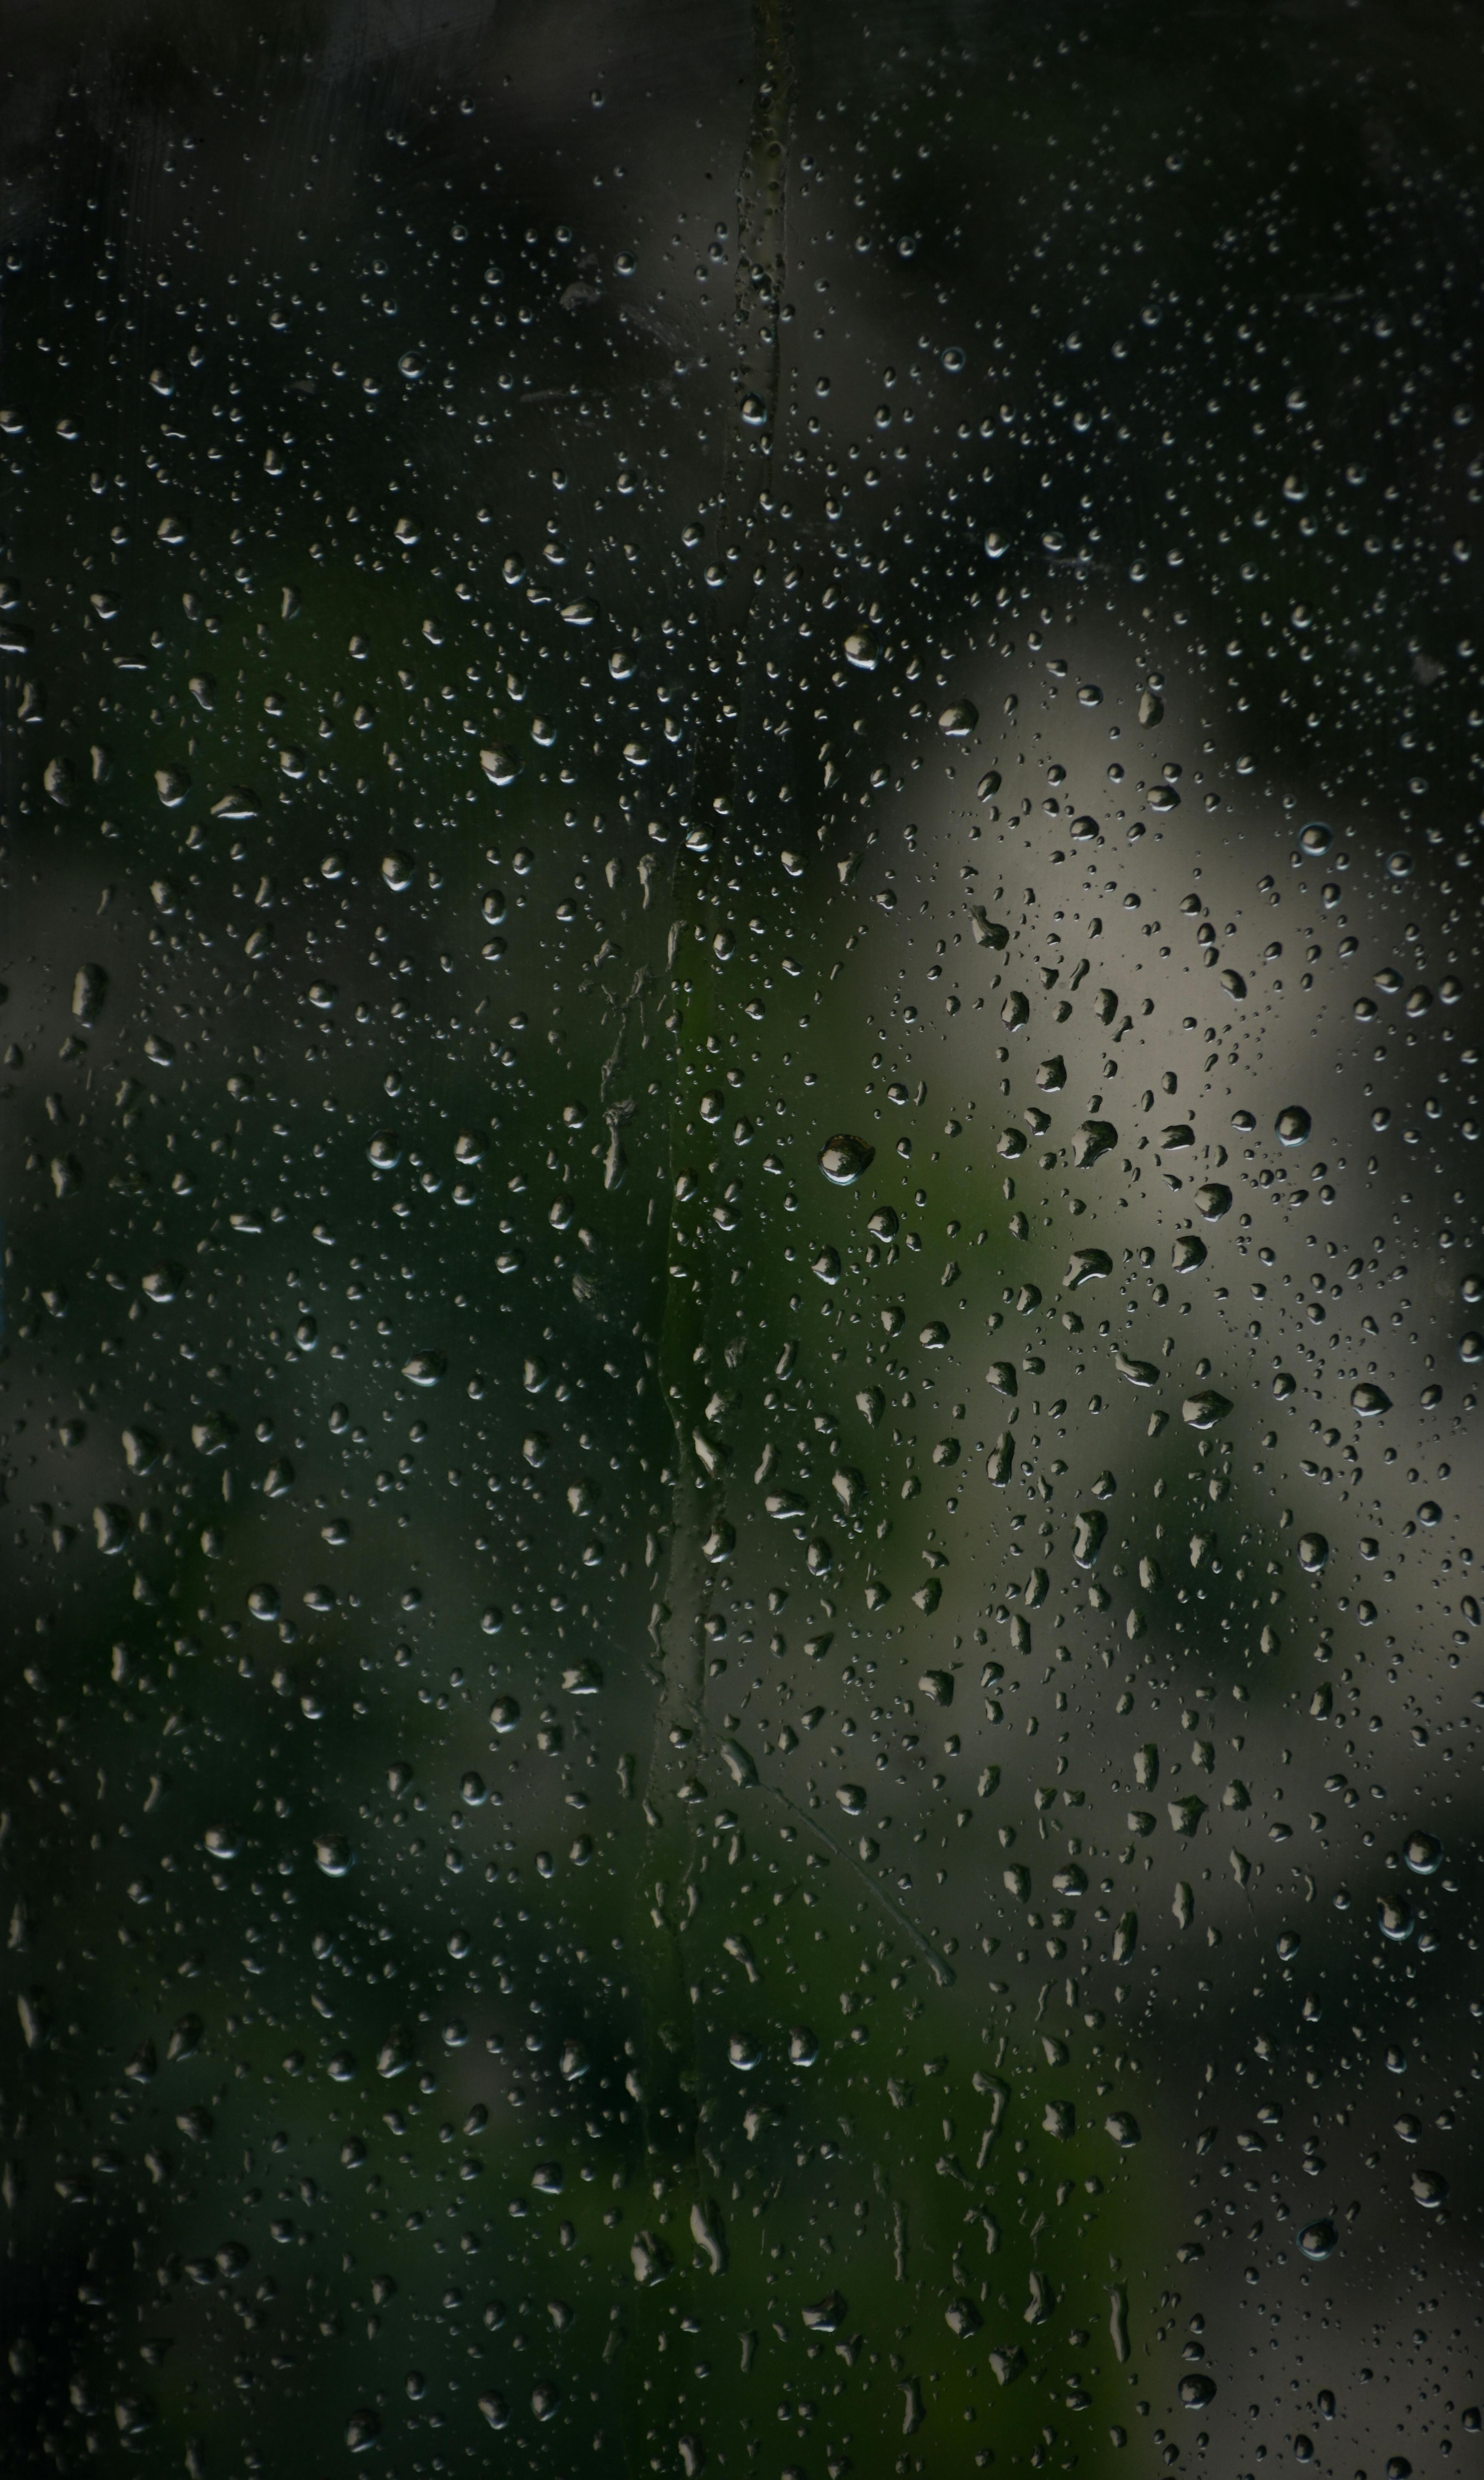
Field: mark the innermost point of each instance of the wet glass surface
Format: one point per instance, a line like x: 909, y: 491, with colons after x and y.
x: 743, y: 1284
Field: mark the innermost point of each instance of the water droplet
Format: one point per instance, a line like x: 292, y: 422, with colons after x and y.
x: 236, y: 804
x: 1092, y: 1139
x: 1313, y: 1553
x: 1423, y: 1853
x: 862, y: 650
x: 1089, y: 1536
x: 1370, y: 1401
x: 333, y: 1855
x: 649, y: 2257
x: 1204, y: 1410
x: 424, y: 1368
x: 958, y: 720
x: 1293, y: 1124
x: 89, y: 990
x: 1317, y: 2240
x: 844, y: 1158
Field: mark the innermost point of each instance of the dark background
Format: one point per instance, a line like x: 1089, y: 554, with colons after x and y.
x: 658, y: 1813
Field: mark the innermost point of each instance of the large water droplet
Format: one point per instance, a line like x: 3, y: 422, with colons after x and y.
x: 1370, y: 1401
x: 89, y: 990
x: 1092, y: 1139
x: 1293, y: 1124
x: 1204, y: 1410
x: 844, y: 1158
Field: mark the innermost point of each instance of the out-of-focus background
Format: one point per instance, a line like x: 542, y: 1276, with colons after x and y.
x: 742, y: 1270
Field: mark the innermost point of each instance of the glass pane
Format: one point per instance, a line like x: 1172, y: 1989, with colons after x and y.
x: 743, y: 1282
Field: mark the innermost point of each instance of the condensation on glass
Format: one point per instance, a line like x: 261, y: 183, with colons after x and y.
x: 742, y: 1284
